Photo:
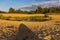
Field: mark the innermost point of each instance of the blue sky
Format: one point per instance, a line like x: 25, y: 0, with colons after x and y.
x: 6, y: 4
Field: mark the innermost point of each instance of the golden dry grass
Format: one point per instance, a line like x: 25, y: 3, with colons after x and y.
x: 34, y: 26
x: 21, y: 15
x: 31, y: 24
x: 54, y: 17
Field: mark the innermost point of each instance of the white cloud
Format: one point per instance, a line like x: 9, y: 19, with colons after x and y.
x: 44, y: 4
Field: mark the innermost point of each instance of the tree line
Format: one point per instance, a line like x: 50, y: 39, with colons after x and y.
x: 38, y: 10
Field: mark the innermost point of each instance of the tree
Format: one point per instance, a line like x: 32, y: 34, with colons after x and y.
x: 39, y: 9
x: 18, y: 11
x: 26, y: 12
x: 11, y: 10
x: 45, y: 10
x: 32, y: 12
x: 52, y: 10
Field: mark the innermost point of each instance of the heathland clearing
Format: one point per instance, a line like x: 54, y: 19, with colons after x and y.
x: 12, y: 29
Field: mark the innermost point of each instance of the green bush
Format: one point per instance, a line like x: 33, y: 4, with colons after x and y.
x: 46, y: 15
x: 39, y: 18
x: 16, y: 19
x: 6, y: 17
x: 0, y: 16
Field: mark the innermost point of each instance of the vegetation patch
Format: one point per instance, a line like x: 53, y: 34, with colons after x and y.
x: 31, y: 18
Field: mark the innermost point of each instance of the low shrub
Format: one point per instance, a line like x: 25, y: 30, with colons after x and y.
x: 0, y: 16
x: 5, y: 18
x: 40, y: 18
x: 46, y: 15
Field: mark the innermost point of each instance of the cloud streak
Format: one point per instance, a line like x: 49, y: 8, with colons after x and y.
x: 46, y: 3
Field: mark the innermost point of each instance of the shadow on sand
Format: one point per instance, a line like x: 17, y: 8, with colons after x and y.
x: 24, y: 33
